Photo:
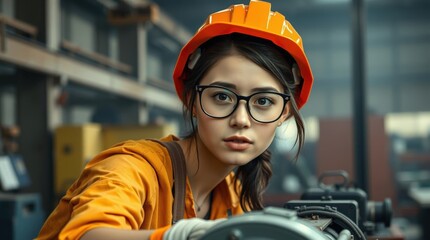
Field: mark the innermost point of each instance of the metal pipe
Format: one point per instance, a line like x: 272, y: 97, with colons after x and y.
x: 359, y: 94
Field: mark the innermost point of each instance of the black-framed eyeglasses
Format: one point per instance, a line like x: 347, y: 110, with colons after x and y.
x: 221, y: 102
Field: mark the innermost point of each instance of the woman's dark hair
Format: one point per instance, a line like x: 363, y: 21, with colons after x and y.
x: 254, y: 176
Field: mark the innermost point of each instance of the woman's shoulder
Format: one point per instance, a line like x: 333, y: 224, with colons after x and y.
x: 135, y: 164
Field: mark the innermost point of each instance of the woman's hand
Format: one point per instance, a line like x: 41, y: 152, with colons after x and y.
x: 190, y: 229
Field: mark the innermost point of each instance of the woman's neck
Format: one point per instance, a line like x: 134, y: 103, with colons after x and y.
x: 204, y: 171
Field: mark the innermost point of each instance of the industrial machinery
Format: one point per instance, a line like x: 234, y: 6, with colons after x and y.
x: 329, y: 212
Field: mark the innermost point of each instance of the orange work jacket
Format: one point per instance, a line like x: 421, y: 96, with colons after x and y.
x: 129, y: 186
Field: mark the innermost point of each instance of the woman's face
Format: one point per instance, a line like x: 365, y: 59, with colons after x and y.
x: 238, y: 138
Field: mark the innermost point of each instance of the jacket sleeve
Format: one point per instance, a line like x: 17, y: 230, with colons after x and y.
x: 110, y: 193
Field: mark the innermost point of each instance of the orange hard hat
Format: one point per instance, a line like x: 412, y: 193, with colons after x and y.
x: 257, y: 20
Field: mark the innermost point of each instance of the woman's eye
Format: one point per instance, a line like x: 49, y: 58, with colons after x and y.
x: 264, y: 102
x: 222, y: 97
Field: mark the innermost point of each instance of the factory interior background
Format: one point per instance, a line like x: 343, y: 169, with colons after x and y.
x: 76, y: 78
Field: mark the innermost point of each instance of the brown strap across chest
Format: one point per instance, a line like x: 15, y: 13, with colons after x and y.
x: 179, y: 177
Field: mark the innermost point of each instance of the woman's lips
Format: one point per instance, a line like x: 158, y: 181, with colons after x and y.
x: 237, y: 143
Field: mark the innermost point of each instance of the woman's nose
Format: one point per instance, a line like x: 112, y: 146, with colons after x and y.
x: 240, y: 117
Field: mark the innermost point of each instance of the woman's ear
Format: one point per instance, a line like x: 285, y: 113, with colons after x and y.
x: 286, y: 114
x: 194, y: 110
x: 189, y: 105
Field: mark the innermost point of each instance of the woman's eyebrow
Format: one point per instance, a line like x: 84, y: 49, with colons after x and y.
x: 265, y: 89
x: 224, y: 84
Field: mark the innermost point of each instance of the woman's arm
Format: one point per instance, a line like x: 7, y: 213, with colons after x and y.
x: 192, y: 228
x: 113, y: 233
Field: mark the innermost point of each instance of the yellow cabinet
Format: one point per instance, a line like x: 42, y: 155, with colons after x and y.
x: 75, y: 145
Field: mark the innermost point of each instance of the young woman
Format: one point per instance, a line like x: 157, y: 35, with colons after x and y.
x: 240, y: 77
